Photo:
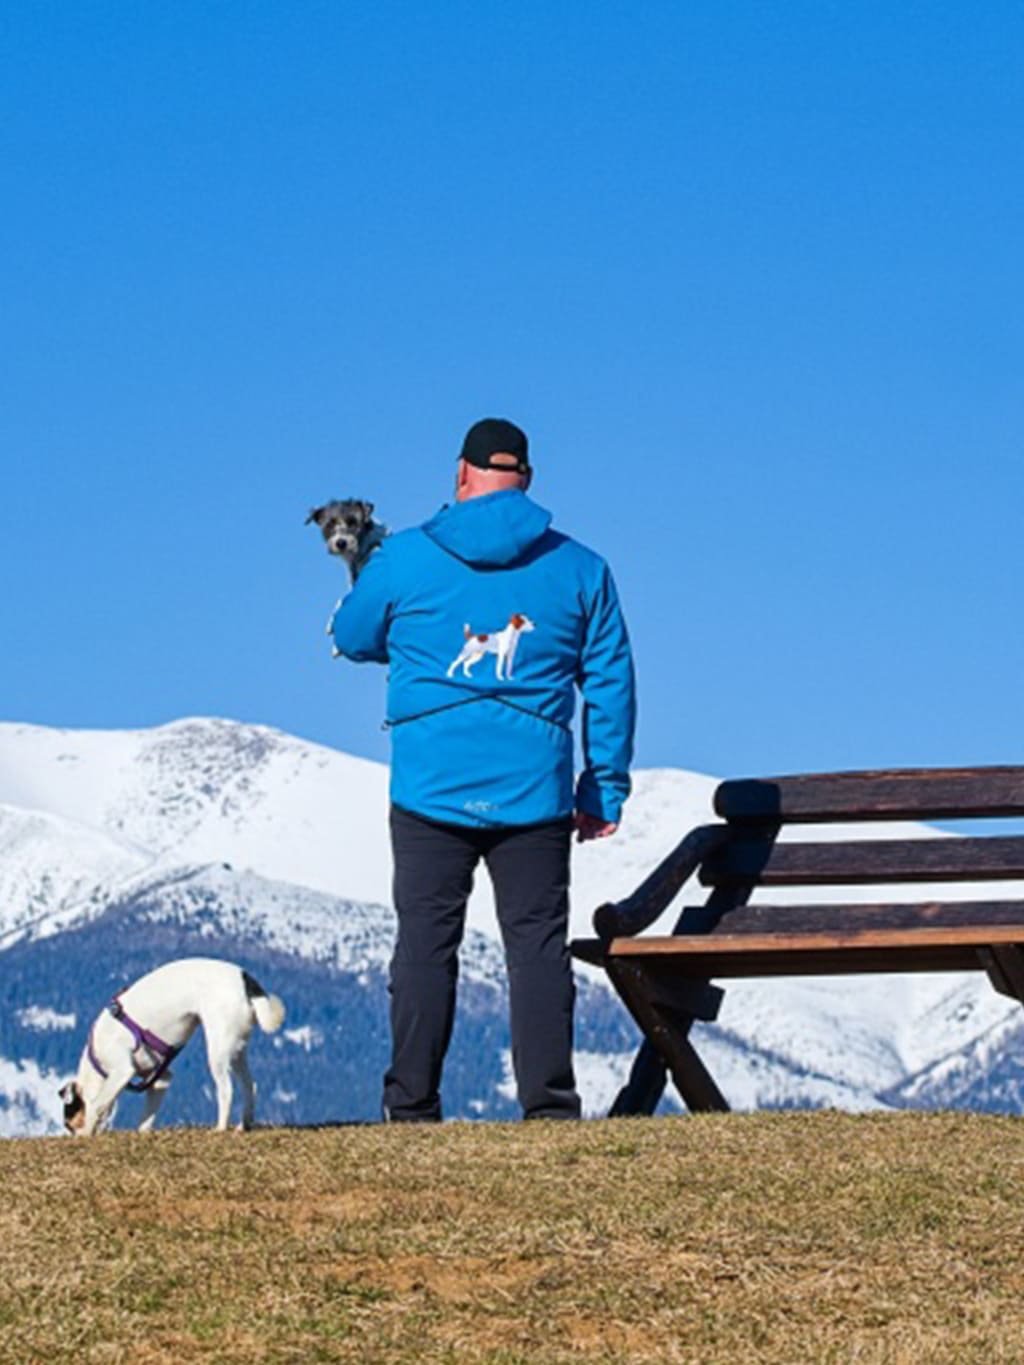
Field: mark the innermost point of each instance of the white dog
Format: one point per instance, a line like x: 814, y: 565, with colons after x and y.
x: 501, y: 643
x: 141, y: 1031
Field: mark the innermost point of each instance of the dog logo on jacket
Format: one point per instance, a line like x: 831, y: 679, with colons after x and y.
x: 501, y: 643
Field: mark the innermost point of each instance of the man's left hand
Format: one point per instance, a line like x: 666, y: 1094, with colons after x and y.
x: 592, y: 827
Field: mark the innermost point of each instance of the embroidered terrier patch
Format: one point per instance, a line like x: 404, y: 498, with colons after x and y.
x: 501, y: 643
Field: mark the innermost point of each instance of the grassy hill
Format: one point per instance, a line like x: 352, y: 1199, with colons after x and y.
x: 769, y: 1237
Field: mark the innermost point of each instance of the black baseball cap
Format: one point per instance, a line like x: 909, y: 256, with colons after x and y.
x: 494, y: 436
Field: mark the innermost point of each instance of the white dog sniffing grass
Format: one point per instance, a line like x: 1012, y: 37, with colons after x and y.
x: 137, y: 1036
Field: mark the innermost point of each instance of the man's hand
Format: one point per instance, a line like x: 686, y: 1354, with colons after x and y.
x: 591, y: 827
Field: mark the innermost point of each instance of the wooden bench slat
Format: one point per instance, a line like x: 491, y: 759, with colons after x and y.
x: 723, y: 956
x: 865, y: 862
x: 813, y: 919
x: 846, y: 961
x: 717, y: 945
x: 909, y: 793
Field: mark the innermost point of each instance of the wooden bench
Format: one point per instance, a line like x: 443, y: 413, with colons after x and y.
x: 665, y: 982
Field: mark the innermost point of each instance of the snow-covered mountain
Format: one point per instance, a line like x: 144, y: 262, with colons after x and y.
x: 121, y: 849
x: 204, y: 791
x: 49, y: 863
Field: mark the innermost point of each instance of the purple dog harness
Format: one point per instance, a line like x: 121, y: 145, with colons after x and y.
x: 143, y: 1038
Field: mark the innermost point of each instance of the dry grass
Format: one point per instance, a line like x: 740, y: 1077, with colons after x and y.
x: 785, y: 1237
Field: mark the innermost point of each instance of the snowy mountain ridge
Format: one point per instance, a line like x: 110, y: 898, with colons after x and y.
x: 258, y: 842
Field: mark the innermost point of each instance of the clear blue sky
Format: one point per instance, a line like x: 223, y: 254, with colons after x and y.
x: 750, y: 276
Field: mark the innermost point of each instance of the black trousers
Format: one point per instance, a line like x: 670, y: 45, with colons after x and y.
x: 529, y: 867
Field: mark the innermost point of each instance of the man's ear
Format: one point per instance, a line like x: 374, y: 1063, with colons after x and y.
x: 527, y: 479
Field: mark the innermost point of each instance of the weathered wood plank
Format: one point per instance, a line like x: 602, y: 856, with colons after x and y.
x: 657, y: 891
x: 908, y: 793
x: 827, y: 962
x: 821, y: 919
x: 864, y: 862
x: 724, y: 956
x: 668, y: 1035
x: 716, y: 945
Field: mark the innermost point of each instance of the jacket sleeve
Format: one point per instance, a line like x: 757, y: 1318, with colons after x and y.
x: 607, y: 683
x: 360, y: 622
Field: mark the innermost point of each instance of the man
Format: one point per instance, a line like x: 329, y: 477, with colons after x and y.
x: 489, y: 620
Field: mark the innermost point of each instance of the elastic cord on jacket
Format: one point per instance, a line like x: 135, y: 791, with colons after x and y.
x: 467, y: 701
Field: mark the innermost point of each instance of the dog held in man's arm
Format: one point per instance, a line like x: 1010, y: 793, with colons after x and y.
x: 349, y: 531
x: 139, y: 1033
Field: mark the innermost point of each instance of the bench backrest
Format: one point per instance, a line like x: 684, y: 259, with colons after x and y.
x: 751, y: 857
x: 899, y: 794
x: 736, y: 858
x: 755, y: 810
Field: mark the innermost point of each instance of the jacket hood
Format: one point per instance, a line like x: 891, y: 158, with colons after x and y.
x: 489, y: 531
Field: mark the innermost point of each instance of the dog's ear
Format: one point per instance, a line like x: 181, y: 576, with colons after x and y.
x: 315, y: 513
x: 368, y: 509
x: 74, y: 1105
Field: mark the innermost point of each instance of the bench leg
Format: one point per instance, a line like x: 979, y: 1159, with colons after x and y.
x: 643, y: 1091
x: 666, y: 1041
x: 647, y: 1077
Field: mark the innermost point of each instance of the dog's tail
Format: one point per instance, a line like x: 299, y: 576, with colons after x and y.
x: 466, y: 630
x: 268, y: 1009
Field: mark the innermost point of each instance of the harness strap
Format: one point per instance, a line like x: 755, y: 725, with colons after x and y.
x: 143, y: 1037
x: 97, y: 1066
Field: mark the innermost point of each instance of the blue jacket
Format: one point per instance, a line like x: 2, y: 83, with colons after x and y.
x: 489, y: 620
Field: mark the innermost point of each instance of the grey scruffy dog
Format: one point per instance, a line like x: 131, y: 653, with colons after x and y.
x: 349, y: 531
